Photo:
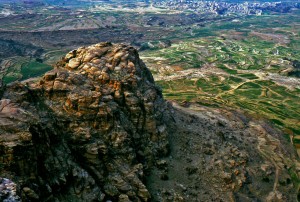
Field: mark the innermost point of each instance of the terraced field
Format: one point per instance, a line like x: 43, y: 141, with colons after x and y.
x: 242, y: 67
x: 24, y: 68
x: 239, y: 62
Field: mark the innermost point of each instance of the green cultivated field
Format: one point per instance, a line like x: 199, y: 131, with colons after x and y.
x: 242, y: 63
x: 34, y: 69
x: 26, y: 70
x: 245, y: 66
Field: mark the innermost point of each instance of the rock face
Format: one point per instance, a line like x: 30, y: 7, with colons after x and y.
x: 87, y: 131
x: 96, y: 128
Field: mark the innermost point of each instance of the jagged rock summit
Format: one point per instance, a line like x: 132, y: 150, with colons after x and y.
x: 96, y: 128
x: 87, y: 131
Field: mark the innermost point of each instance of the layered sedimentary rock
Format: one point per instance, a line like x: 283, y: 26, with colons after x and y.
x: 88, y: 130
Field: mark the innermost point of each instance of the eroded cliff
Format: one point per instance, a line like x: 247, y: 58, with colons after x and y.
x: 87, y: 130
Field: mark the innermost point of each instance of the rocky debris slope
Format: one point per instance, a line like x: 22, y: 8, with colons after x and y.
x: 96, y: 128
x: 87, y: 131
x: 223, y: 155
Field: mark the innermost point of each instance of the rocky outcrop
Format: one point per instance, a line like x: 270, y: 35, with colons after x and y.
x: 87, y: 131
x: 8, y: 191
x: 96, y: 128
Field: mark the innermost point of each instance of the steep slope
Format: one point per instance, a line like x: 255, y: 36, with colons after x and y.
x: 86, y: 131
x: 223, y: 155
x: 96, y: 128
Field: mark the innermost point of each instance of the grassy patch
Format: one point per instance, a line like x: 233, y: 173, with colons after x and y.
x: 248, y: 76
x: 34, y: 69
x: 11, y: 77
x: 229, y: 71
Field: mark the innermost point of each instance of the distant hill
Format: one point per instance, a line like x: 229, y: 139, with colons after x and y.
x: 76, y: 2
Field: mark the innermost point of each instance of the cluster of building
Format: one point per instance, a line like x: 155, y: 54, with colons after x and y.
x: 225, y: 8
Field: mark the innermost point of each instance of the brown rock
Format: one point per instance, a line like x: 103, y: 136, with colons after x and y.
x: 74, y: 63
x: 60, y: 86
x: 124, y: 198
x: 30, y: 193
x: 90, y: 134
x: 49, y: 76
x: 76, y: 120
